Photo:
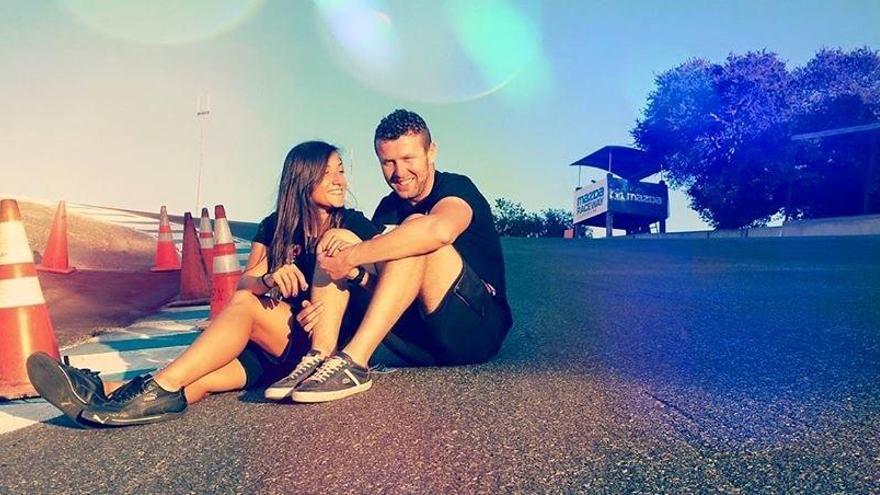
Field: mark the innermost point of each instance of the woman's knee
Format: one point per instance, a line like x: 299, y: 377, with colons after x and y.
x: 245, y: 301
x: 244, y: 297
x: 343, y: 234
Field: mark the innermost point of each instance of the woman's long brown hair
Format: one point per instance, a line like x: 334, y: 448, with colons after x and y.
x: 304, y: 168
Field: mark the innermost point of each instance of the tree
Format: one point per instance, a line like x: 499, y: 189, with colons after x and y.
x: 555, y: 222
x: 512, y: 220
x: 720, y: 132
x: 833, y: 176
x: 723, y: 133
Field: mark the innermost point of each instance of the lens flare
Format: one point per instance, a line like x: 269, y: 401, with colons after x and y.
x: 438, y: 52
x: 161, y: 22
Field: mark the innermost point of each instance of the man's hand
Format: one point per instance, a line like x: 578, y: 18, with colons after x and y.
x: 338, y: 266
x: 308, y: 316
x: 289, y: 280
x: 333, y: 246
x: 331, y: 243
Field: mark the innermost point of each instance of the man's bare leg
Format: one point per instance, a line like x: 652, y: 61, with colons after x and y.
x: 426, y: 277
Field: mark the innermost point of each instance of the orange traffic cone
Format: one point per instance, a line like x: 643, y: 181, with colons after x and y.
x: 25, y: 326
x: 226, y: 268
x: 55, y: 257
x: 195, y: 283
x: 206, y: 239
x: 167, y: 259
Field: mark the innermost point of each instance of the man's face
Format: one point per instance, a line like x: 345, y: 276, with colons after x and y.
x: 407, y: 166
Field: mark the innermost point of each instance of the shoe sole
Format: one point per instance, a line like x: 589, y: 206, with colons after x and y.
x: 281, y: 393
x: 146, y: 420
x: 51, y: 382
x: 313, y: 397
x: 278, y: 393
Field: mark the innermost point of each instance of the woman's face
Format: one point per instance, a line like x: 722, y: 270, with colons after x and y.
x: 329, y: 192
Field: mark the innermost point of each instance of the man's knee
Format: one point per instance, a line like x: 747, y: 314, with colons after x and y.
x: 445, y: 257
x: 412, y: 217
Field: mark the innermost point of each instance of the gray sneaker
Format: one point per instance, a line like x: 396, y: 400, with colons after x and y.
x: 307, y: 365
x: 337, y: 378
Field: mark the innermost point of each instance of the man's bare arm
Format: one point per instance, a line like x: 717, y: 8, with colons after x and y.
x: 440, y: 227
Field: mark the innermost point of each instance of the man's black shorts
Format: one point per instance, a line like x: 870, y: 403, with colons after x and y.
x: 467, y: 327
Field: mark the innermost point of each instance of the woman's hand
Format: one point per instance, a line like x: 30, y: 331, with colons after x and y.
x: 289, y: 280
x: 331, y: 244
x: 308, y: 316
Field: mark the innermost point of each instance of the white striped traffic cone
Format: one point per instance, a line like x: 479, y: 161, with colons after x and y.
x: 167, y: 259
x: 227, y: 271
x: 206, y: 238
x: 25, y: 327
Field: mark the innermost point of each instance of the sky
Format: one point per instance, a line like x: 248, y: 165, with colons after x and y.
x: 98, y: 98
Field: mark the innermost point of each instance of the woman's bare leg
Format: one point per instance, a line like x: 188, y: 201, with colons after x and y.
x: 247, y: 318
x: 226, y: 379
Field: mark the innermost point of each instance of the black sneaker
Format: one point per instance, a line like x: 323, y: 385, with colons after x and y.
x: 307, y: 365
x: 337, y: 378
x: 138, y: 402
x: 65, y: 387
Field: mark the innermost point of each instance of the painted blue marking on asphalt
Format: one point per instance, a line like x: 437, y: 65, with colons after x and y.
x: 179, y: 315
x: 177, y: 339
x: 126, y: 375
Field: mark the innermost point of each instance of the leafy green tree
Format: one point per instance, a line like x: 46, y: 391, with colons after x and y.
x: 720, y: 132
x: 555, y: 222
x: 512, y: 220
x: 833, y: 176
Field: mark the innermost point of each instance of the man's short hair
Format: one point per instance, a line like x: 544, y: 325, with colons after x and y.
x: 400, y: 123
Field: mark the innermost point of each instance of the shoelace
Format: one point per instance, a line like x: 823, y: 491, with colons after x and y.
x: 91, y: 373
x: 130, y: 390
x: 304, y: 365
x: 327, y: 369
x: 84, y: 371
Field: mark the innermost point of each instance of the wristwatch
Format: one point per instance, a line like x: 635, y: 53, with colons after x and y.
x: 359, y: 277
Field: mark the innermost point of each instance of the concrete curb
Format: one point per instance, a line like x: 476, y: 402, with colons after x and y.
x: 836, y: 226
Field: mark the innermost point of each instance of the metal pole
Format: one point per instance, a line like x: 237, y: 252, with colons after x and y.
x: 202, y: 116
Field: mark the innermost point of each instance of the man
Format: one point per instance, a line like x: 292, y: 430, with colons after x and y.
x: 440, y: 294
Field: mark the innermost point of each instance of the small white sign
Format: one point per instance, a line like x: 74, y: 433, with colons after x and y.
x: 590, y: 201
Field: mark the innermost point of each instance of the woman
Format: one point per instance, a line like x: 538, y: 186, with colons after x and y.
x: 253, y: 341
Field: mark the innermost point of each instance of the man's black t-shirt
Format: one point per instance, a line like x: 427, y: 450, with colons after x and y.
x: 352, y: 220
x: 478, y: 245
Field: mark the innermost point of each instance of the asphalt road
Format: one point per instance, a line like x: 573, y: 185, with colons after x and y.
x: 637, y: 366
